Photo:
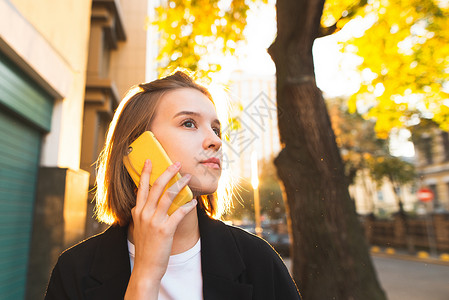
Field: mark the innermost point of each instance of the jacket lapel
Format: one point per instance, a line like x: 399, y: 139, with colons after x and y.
x: 110, y: 272
x: 221, y: 262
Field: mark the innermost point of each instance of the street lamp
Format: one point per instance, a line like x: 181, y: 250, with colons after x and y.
x: 255, y: 184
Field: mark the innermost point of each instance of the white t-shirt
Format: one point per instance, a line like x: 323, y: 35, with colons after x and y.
x: 183, y: 279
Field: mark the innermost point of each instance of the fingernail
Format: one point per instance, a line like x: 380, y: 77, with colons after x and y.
x: 177, y: 164
x: 147, y: 162
x: 187, y: 176
x: 191, y: 203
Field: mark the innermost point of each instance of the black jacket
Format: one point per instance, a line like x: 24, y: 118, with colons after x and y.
x: 235, y: 265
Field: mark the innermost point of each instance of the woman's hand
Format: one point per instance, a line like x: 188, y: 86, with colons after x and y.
x: 153, y: 230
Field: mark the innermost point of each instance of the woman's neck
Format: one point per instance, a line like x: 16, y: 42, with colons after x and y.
x: 187, y: 233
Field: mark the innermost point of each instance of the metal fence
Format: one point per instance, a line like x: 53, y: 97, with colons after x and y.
x: 424, y: 232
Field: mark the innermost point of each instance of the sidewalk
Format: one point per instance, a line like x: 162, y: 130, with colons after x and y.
x: 420, y: 256
x: 412, y: 279
x: 409, y: 277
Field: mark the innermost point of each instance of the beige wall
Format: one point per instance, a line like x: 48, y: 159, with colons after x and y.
x: 128, y: 61
x: 59, y: 32
x: 50, y: 38
x: 64, y: 23
x: 436, y: 173
x: 370, y: 198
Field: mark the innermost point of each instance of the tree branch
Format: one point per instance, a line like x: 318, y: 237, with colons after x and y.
x: 351, y: 12
x: 325, y: 31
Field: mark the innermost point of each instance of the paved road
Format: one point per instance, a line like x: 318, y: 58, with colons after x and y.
x: 410, y: 280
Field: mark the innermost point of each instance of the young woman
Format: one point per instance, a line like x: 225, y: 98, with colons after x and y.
x: 147, y: 254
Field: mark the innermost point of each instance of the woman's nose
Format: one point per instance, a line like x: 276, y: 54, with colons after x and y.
x: 212, y: 141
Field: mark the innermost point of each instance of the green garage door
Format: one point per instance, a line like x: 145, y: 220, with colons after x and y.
x: 19, y: 154
x: 25, y: 114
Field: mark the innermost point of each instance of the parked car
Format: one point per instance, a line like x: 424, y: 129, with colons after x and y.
x: 279, y: 241
x: 250, y: 228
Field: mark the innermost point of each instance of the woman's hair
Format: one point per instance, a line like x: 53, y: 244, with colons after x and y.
x: 115, y: 190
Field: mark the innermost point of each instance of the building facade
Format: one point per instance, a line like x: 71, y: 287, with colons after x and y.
x: 370, y: 198
x: 64, y: 66
x: 432, y: 162
x: 253, y: 98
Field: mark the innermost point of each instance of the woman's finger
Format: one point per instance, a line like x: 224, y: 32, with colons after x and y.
x: 144, y: 186
x: 171, y: 193
x: 160, y: 183
x: 180, y: 213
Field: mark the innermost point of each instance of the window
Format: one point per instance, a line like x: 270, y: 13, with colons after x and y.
x: 426, y: 147
x: 445, y: 139
x: 380, y: 196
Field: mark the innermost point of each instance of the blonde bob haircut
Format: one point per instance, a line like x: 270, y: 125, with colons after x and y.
x: 115, y: 190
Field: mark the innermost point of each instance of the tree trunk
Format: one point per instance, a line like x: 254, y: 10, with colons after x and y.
x: 330, y: 256
x: 403, y: 216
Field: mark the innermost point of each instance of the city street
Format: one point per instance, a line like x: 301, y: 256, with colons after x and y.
x: 410, y: 280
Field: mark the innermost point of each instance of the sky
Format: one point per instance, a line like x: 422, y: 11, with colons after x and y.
x: 336, y: 72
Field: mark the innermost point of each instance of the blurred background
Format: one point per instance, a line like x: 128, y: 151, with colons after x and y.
x: 382, y: 67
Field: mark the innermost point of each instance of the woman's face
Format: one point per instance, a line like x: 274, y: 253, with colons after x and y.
x: 187, y: 126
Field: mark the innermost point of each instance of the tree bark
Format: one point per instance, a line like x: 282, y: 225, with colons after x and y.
x: 330, y: 256
x: 403, y: 216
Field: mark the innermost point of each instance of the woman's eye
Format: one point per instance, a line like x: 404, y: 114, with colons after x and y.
x: 192, y: 124
x: 189, y: 124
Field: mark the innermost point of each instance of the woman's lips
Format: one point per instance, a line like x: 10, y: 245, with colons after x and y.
x: 212, y: 162
x: 211, y: 165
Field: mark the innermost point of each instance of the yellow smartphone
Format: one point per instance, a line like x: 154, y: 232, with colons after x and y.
x: 146, y: 146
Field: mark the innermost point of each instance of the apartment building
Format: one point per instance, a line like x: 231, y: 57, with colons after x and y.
x: 64, y: 66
